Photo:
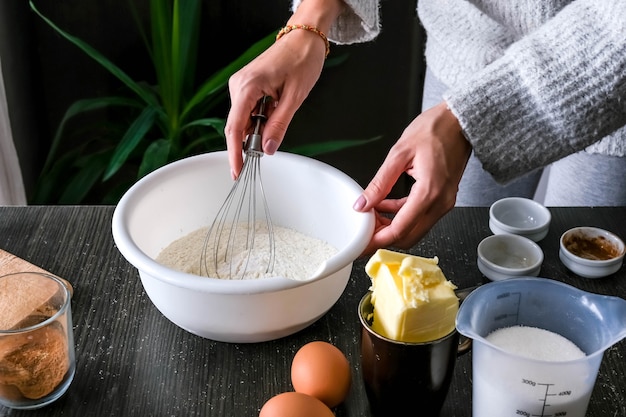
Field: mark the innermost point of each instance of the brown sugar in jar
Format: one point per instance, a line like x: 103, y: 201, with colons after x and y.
x: 33, y: 364
x: 37, y: 361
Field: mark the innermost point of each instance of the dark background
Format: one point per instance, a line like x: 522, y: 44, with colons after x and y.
x: 376, y: 92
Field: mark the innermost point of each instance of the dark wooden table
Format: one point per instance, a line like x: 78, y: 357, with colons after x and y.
x: 131, y: 361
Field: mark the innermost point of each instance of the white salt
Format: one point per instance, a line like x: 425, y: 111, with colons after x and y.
x: 535, y: 343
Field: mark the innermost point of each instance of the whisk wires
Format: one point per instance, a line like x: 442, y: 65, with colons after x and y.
x: 241, y: 236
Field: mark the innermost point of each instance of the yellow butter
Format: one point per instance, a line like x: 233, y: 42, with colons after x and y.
x: 413, y: 301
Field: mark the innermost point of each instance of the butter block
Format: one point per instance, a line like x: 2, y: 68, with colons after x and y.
x: 413, y: 301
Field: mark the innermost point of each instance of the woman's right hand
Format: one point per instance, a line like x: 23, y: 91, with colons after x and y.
x: 287, y: 71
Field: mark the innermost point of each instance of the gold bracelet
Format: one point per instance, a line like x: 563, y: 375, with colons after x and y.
x: 313, y: 29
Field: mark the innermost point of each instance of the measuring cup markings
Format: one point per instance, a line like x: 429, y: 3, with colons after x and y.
x: 508, y: 315
x: 544, y: 399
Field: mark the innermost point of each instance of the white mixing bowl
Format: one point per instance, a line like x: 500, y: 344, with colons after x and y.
x: 303, y: 194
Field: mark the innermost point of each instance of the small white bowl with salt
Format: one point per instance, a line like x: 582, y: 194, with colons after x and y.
x: 506, y: 256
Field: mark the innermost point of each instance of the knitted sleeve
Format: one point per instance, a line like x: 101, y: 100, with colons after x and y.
x: 359, y: 22
x: 552, y: 93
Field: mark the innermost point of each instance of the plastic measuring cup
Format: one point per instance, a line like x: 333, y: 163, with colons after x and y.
x: 506, y: 384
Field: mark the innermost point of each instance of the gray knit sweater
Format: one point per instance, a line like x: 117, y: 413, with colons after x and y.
x: 530, y: 81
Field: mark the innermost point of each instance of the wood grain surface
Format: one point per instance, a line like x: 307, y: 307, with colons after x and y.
x: 131, y: 361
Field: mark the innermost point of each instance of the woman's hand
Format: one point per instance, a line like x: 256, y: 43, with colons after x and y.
x: 286, y: 72
x: 432, y: 150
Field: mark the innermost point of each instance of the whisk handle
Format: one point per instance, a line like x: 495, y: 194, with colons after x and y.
x: 253, y: 143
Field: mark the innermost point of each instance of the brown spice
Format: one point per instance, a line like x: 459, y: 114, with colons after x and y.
x: 33, y: 363
x: 597, y: 248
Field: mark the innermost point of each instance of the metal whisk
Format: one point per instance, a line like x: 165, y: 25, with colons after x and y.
x: 241, y: 237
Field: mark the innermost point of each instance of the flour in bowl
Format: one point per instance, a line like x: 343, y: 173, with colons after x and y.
x: 297, y: 256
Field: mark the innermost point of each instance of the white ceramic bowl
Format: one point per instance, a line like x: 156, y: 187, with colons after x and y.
x: 591, y: 252
x: 506, y: 256
x: 304, y: 194
x: 519, y: 216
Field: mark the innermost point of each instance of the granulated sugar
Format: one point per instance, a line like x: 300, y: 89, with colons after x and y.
x: 535, y: 343
x: 297, y: 256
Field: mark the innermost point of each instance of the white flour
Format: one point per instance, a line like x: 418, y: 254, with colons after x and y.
x: 297, y: 256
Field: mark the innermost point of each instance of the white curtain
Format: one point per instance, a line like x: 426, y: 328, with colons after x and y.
x: 11, y: 184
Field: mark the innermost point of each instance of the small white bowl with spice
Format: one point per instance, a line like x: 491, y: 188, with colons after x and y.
x: 505, y: 256
x: 591, y: 252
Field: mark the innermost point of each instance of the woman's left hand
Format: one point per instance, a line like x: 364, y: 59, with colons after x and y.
x: 432, y: 150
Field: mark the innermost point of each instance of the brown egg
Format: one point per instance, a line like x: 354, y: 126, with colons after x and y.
x: 294, y: 404
x: 321, y: 370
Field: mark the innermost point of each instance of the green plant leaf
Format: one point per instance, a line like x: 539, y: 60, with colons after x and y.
x: 207, y: 142
x: 101, y: 59
x: 190, y: 15
x: 319, y: 148
x: 131, y: 139
x: 185, y: 33
x: 78, y: 187
x: 220, y: 79
x: 83, y: 106
x: 155, y: 156
x: 48, y: 185
x: 112, y: 196
x: 174, y: 48
x: 214, y: 122
x: 161, y: 17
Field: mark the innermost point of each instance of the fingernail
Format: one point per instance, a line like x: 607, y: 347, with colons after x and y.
x: 359, y: 203
x: 232, y: 175
x: 270, y: 147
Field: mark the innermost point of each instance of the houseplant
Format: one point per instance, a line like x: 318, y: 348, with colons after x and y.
x: 152, y: 124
